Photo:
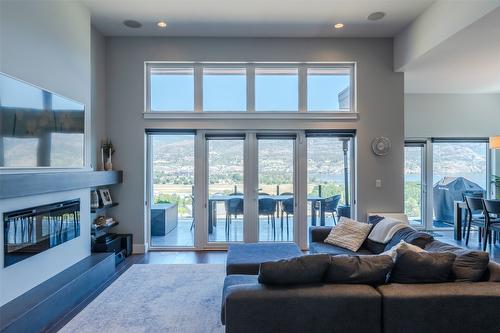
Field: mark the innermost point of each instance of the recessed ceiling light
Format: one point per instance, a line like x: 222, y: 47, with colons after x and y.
x: 132, y: 24
x: 162, y: 24
x: 339, y: 26
x: 375, y: 16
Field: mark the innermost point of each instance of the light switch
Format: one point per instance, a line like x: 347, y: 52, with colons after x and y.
x: 378, y: 183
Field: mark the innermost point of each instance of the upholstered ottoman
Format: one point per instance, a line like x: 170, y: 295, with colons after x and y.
x: 246, y: 258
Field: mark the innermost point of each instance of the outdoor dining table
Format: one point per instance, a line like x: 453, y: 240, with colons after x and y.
x: 314, y: 199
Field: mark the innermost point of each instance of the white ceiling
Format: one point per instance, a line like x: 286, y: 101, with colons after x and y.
x: 467, y: 62
x: 254, y: 18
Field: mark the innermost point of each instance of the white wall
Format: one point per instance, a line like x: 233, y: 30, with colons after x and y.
x: 452, y: 115
x: 380, y: 104
x: 47, y: 43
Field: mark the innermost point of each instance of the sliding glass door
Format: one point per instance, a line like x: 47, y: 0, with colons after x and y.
x: 225, y: 167
x: 172, y: 217
x: 414, y: 182
x: 276, y: 173
x: 210, y: 188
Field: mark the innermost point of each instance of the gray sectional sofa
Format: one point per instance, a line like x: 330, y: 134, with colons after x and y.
x: 469, y: 307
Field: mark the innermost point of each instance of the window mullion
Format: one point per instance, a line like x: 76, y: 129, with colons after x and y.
x: 250, y: 88
x: 302, y: 88
x: 198, y: 88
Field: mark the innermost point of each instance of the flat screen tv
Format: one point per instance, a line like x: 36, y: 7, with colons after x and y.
x: 39, y: 129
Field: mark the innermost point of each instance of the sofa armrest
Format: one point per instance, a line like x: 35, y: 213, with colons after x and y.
x: 318, y: 234
x: 306, y: 308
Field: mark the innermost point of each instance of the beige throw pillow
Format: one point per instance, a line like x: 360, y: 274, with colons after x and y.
x: 349, y: 234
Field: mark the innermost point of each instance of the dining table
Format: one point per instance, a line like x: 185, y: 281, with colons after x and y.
x: 315, y: 200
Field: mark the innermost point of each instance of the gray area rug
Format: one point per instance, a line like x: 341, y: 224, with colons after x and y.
x: 156, y: 298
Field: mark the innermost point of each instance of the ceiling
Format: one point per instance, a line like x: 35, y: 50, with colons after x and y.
x: 467, y: 62
x: 254, y: 18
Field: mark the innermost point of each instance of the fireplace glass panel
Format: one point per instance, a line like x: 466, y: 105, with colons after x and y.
x: 30, y: 231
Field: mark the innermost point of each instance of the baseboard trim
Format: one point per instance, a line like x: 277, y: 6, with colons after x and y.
x: 140, y: 248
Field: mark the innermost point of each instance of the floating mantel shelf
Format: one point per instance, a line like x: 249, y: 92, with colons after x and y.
x: 24, y: 184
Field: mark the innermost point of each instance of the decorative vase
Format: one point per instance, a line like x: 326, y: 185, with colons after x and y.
x: 109, y: 165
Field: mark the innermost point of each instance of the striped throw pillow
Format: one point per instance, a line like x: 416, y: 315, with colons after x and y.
x: 349, y: 234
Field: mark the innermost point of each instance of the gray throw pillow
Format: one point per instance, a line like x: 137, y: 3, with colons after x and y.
x: 368, y: 269
x: 299, y: 270
x: 469, y: 266
x: 422, y: 267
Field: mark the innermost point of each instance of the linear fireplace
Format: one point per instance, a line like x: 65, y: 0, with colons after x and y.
x: 30, y: 231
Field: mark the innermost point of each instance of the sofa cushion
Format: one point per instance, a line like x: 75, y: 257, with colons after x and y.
x: 349, y: 234
x: 246, y: 258
x: 374, y: 247
x: 370, y: 270
x: 234, y: 280
x: 468, y: 266
x: 422, y: 267
x: 301, y: 270
x: 440, y: 307
x: 320, y: 247
x: 411, y: 236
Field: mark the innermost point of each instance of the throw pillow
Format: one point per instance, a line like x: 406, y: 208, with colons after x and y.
x: 422, y: 267
x: 370, y: 270
x: 349, y: 234
x: 383, y: 231
x: 402, y: 245
x: 299, y: 270
x: 374, y: 247
x: 469, y: 266
x: 412, y: 236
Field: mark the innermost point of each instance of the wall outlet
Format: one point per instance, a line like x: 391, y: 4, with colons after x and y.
x: 378, y: 183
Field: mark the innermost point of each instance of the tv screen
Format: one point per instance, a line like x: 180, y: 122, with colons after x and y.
x: 39, y: 128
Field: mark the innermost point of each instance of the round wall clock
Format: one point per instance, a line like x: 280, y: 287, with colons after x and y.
x: 381, y: 146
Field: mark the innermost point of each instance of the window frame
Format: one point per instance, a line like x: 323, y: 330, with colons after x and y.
x: 250, y: 112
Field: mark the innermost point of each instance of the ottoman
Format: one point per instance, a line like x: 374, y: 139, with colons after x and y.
x: 246, y: 258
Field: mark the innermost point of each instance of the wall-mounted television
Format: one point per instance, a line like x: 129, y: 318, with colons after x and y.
x: 39, y: 129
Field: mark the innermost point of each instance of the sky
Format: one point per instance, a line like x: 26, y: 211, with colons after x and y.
x: 175, y: 92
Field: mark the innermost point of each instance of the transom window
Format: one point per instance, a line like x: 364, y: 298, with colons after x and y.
x: 250, y: 87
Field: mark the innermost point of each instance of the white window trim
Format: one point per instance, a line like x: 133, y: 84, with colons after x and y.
x: 301, y: 114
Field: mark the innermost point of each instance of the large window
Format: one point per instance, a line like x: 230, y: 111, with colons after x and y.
x: 250, y: 87
x: 171, y: 89
x: 276, y: 89
x: 224, y: 89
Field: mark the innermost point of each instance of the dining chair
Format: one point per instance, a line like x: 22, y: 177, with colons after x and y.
x: 234, y: 207
x: 473, y: 194
x: 267, y: 207
x: 330, y: 205
x: 475, y: 216
x: 287, y: 208
x: 492, y: 219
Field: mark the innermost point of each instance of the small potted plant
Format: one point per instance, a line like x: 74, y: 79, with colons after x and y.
x: 107, y: 150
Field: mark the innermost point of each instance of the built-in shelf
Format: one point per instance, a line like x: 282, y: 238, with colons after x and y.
x: 103, y: 227
x: 24, y: 184
x: 98, y: 209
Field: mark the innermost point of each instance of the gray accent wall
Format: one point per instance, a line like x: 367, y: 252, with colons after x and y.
x: 98, y: 91
x: 379, y: 99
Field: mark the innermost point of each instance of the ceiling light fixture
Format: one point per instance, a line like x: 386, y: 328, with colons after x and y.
x: 132, y: 24
x: 339, y: 26
x: 375, y: 16
x: 162, y: 24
